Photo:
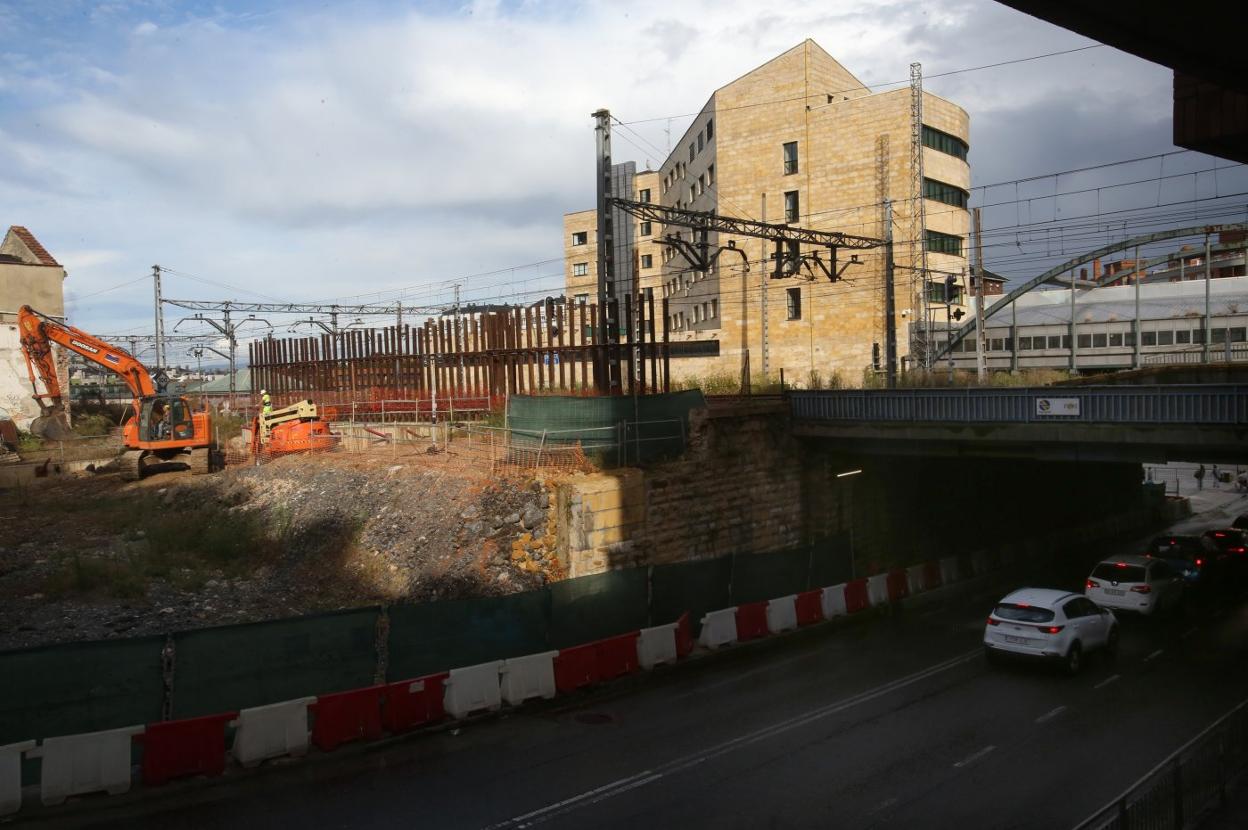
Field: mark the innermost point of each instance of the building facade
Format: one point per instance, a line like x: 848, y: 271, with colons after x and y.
x: 29, y: 275
x: 801, y: 141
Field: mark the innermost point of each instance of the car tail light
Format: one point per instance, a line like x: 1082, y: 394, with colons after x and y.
x: 991, y: 621
x: 1199, y: 562
x: 1051, y: 629
x: 1237, y: 550
x: 1092, y: 583
x: 1142, y: 589
x: 1120, y: 564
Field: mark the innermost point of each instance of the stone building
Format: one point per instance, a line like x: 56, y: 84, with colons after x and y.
x: 29, y: 275
x: 800, y: 140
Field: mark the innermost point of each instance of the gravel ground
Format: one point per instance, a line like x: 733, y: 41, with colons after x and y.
x: 93, y: 557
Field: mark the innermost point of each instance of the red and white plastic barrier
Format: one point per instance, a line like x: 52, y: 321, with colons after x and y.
x: 473, y: 688
x: 916, y: 579
x: 86, y: 763
x: 751, y: 621
x: 877, y: 590
x: 413, y: 703
x: 833, y: 601
x: 272, y: 731
x: 11, y: 776
x: 719, y: 628
x: 528, y: 677
x: 808, y: 607
x: 949, y: 570
x: 178, y: 748
x: 657, y: 645
x: 347, y: 716
x: 782, y: 614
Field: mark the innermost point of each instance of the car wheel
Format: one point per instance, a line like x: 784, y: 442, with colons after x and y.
x: 1074, y: 659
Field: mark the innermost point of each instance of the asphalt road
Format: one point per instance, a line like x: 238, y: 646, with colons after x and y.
x: 897, y: 723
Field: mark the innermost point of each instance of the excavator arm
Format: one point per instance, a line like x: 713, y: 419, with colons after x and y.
x: 39, y: 332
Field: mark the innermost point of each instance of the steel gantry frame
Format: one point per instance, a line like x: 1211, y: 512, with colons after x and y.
x: 1051, y: 276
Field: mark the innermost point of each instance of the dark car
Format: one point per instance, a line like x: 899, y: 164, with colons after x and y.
x: 1229, y: 541
x: 1191, y: 556
x: 1241, y: 522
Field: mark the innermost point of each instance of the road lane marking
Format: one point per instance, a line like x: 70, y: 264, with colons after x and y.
x: 1107, y: 681
x: 641, y: 779
x: 1052, y: 713
x: 883, y: 805
x: 1155, y: 654
x: 965, y: 761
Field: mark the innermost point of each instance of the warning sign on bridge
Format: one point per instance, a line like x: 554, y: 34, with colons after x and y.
x: 1057, y: 406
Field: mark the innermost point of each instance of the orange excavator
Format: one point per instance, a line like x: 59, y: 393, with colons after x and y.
x: 163, y: 427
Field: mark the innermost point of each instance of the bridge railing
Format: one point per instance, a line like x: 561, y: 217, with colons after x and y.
x: 1187, y: 404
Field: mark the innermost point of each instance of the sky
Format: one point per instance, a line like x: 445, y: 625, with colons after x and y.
x: 365, y: 150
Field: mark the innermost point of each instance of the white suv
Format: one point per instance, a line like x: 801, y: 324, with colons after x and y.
x: 1054, y: 625
x: 1134, y: 583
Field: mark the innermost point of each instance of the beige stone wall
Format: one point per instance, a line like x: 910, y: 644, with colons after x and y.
x: 42, y: 288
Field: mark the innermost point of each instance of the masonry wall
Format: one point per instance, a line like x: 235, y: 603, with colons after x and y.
x: 747, y: 486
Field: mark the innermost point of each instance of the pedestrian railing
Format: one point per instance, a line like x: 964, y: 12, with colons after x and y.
x: 1185, y: 787
x: 1188, y: 404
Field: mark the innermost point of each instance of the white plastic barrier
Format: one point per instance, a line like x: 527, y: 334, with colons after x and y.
x: 656, y: 645
x: 914, y: 579
x: 782, y: 614
x: 877, y: 590
x: 833, y: 601
x: 272, y: 731
x: 11, y: 776
x: 979, y: 562
x: 719, y: 628
x: 74, y: 764
x: 527, y: 677
x: 473, y: 688
x: 949, y: 570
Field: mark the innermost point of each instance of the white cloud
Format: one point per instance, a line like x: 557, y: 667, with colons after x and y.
x: 145, y: 28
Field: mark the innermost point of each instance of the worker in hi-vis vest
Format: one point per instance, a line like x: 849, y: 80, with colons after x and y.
x: 266, y: 403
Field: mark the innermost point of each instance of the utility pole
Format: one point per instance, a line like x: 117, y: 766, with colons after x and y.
x: 918, y: 210
x: 605, y: 368
x: 1135, y: 324
x: 890, y: 301
x: 1208, y: 331
x: 1074, y: 331
x: 981, y: 369
x: 159, y: 323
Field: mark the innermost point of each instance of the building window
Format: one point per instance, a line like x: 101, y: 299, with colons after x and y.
x: 1085, y: 341
x: 794, y: 296
x: 944, y: 142
x: 996, y: 344
x: 700, y: 145
x: 580, y: 269
x: 936, y: 293
x: 706, y: 311
x: 791, y: 207
x: 943, y: 243
x: 1115, y: 339
x: 715, y: 309
x: 1239, y: 334
x: 1024, y: 344
x: 1055, y: 341
x: 692, y: 152
x: 644, y: 195
x: 1098, y: 341
x: 1183, y: 336
x: 582, y: 299
x: 1165, y: 338
x: 710, y: 129
x: 647, y: 260
x: 702, y: 183
x: 790, y: 157
x: 580, y: 238
x: 946, y: 193
x: 645, y: 228
x: 697, y: 314
x: 1148, y: 338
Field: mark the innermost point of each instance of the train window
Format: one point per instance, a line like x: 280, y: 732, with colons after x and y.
x: 1182, y: 336
x: 1128, y: 339
x: 1085, y: 341
x: 1055, y: 341
x: 1239, y: 335
x: 1148, y: 338
x: 1099, y: 341
x: 1165, y: 338
x: 1219, y: 336
x: 997, y: 344
x: 1115, y: 339
x: 1009, y: 344
x: 1024, y: 343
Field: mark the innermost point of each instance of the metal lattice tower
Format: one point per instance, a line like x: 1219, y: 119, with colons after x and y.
x: 918, y: 218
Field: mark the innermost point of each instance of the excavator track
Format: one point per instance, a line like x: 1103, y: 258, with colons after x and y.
x: 131, y: 465
x: 200, y: 461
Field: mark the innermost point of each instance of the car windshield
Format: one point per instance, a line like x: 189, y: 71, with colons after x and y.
x: 1023, y: 613
x: 1115, y: 572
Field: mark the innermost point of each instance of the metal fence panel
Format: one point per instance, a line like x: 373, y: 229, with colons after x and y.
x: 597, y: 606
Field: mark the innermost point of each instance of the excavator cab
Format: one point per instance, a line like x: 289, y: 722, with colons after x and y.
x: 165, y: 418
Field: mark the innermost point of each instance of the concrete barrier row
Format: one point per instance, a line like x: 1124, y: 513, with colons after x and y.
x: 95, y: 762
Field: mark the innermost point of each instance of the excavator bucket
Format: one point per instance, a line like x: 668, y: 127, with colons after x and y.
x: 51, y: 427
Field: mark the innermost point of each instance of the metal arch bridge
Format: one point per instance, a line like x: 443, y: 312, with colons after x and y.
x: 1051, y: 276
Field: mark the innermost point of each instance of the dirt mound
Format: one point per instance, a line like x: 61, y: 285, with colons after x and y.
x: 97, y: 558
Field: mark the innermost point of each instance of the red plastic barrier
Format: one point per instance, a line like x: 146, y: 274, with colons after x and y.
x: 347, y: 716
x: 577, y: 666
x: 405, y: 709
x: 177, y: 748
x: 856, y: 598
x: 617, y: 656
x: 931, y: 575
x: 898, y: 585
x: 751, y: 621
x: 684, y: 636
x: 810, y: 607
